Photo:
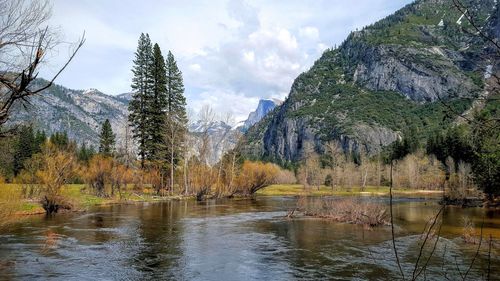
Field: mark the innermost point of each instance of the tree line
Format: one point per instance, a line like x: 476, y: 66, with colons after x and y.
x: 461, y: 160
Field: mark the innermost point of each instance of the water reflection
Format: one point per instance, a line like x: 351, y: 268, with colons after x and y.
x: 231, y: 240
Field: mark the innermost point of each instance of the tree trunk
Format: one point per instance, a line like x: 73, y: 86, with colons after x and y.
x: 185, y: 176
x: 391, y: 173
x: 172, y: 162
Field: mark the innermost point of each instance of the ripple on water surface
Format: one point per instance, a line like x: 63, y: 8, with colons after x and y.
x: 226, y: 240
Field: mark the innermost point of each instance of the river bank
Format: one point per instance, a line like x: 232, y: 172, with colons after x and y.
x: 14, y: 206
x: 81, y: 200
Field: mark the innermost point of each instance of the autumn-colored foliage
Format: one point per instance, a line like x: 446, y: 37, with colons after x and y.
x: 203, y: 178
x: 105, y: 176
x: 57, y: 168
x: 256, y: 175
x: 98, y: 174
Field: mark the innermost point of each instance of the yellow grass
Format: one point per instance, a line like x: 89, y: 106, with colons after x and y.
x: 12, y: 203
x: 298, y: 190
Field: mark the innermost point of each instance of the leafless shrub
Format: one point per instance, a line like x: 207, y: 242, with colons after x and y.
x: 349, y: 210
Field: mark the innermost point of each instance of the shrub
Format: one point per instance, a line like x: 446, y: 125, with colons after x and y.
x: 285, y: 177
x: 255, y: 176
x: 329, y: 180
x: 57, y: 167
x: 348, y: 210
x: 98, y: 174
x: 203, y: 177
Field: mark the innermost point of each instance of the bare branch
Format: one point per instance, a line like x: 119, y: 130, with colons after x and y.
x: 23, y: 48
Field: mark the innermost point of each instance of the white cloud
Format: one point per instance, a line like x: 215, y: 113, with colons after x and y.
x: 231, y: 52
x: 249, y: 56
x: 309, y: 32
x: 322, y: 47
x: 195, y: 67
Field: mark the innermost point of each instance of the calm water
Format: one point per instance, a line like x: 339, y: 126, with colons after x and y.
x: 232, y: 240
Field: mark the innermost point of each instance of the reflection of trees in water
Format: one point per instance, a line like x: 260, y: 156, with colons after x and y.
x: 336, y: 249
x: 319, y: 248
x: 159, y: 236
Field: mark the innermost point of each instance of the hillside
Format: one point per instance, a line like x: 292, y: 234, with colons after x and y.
x: 78, y: 112
x: 382, y: 81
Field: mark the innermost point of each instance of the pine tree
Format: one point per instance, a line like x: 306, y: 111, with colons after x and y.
x: 40, y: 139
x: 60, y: 140
x: 85, y: 153
x: 24, y: 148
x: 139, y: 106
x: 175, y: 127
x: 107, y: 139
x: 158, y: 105
x: 176, y: 102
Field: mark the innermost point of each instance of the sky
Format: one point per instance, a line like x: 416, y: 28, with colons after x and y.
x: 231, y: 52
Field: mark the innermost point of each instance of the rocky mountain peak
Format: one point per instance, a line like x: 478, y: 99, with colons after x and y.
x: 264, y: 107
x: 381, y: 81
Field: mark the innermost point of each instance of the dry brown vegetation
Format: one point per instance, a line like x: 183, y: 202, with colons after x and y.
x: 57, y: 168
x: 348, y: 210
x: 255, y: 176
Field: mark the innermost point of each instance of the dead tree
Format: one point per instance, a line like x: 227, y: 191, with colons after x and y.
x: 24, y: 44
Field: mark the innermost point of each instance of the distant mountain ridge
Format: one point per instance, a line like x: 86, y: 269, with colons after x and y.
x: 80, y: 113
x: 221, y: 137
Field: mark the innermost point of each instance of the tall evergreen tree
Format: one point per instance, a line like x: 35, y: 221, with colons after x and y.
x: 24, y: 148
x: 40, y: 139
x: 142, y: 86
x: 107, y: 139
x: 158, y: 105
x: 175, y: 127
x: 176, y: 102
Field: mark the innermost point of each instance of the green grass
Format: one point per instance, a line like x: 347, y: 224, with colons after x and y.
x: 76, y: 194
x: 298, y: 190
x: 12, y: 202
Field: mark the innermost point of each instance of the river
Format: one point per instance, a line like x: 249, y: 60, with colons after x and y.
x: 237, y: 240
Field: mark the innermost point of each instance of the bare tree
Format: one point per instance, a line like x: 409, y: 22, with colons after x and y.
x: 207, y: 117
x: 337, y: 160
x: 203, y: 176
x: 175, y: 135
x: 24, y: 44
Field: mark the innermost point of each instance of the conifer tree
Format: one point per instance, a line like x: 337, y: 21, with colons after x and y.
x: 85, y: 153
x: 139, y: 106
x: 158, y: 105
x: 24, y: 148
x: 60, y: 140
x: 40, y: 139
x: 176, y: 102
x: 107, y: 139
x: 175, y: 127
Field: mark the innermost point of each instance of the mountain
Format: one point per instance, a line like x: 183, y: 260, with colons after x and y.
x: 402, y: 73
x: 78, y: 112
x: 125, y: 96
x: 265, y: 106
x: 221, y: 137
